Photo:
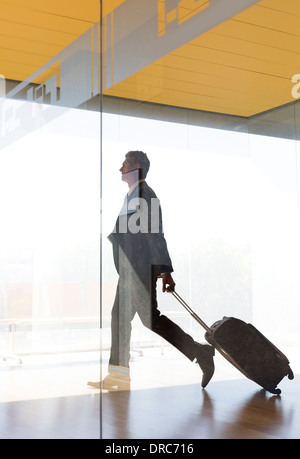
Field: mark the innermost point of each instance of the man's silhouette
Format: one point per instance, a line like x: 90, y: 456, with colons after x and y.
x: 141, y: 257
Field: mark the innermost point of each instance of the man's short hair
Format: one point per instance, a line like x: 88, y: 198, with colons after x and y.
x: 139, y: 157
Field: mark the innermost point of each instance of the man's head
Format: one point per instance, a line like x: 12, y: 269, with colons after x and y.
x: 139, y: 160
x: 135, y: 167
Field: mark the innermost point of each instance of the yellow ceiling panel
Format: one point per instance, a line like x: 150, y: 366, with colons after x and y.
x: 29, y: 35
x: 40, y: 20
x: 225, y: 93
x: 19, y: 45
x: 291, y: 6
x: 87, y: 11
x: 234, y: 60
x: 32, y: 32
x: 211, y: 80
x: 243, y: 47
x: 177, y: 76
x: 190, y: 99
x: 243, y: 66
x: 269, y: 17
x: 252, y: 33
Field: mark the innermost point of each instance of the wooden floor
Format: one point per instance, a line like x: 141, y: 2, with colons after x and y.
x: 226, y: 410
x: 176, y: 407
x: 50, y: 399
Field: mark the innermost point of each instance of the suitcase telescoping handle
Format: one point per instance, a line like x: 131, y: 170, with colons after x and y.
x: 203, y: 324
x: 189, y: 309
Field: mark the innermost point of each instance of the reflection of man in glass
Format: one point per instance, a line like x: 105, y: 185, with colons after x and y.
x: 141, y: 257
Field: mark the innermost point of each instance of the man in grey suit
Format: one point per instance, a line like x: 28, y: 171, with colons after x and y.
x: 141, y: 257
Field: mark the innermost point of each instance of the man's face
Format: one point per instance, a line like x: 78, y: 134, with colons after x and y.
x: 129, y: 171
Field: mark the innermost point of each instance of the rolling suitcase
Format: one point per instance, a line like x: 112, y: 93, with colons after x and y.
x: 247, y: 349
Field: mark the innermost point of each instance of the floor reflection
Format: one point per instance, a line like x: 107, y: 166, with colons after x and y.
x: 226, y: 409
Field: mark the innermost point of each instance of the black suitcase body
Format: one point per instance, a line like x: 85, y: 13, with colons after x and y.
x: 247, y: 349
x: 250, y: 352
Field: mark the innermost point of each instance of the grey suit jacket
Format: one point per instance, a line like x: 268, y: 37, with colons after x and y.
x: 138, y: 239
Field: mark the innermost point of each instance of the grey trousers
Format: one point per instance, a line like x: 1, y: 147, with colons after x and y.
x: 136, y: 293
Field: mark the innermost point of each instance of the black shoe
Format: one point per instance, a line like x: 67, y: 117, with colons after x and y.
x: 204, y: 357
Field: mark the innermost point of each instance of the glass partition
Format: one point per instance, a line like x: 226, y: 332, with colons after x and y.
x: 50, y: 239
x: 229, y: 193
x: 50, y: 212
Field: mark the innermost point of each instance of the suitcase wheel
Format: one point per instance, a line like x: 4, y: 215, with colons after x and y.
x: 273, y: 390
x: 277, y: 391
